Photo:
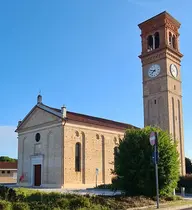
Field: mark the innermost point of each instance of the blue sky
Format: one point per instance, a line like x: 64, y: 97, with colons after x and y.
x: 84, y: 54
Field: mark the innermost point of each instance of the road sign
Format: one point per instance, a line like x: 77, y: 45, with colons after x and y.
x: 97, y: 171
x: 152, y: 138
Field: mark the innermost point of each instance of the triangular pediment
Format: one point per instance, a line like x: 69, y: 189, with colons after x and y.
x: 38, y: 116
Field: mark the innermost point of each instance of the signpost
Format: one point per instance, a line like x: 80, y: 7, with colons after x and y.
x: 97, y: 172
x: 152, y: 138
x: 154, y: 142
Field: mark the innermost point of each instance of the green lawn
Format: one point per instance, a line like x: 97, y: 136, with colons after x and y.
x: 24, y: 199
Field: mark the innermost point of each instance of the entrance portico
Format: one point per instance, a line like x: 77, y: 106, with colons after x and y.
x: 36, y: 170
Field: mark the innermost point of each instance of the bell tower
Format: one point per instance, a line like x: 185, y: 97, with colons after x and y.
x: 162, y: 94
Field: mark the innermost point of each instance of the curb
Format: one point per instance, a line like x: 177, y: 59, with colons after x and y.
x: 179, y: 207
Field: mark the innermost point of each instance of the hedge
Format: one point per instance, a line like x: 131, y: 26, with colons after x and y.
x: 24, y: 199
x: 20, y: 206
x: 5, y: 205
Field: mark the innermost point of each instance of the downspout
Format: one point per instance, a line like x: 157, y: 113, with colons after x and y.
x: 63, y: 112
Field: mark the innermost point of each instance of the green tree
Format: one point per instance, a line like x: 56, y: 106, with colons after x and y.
x: 134, y: 166
x: 7, y: 159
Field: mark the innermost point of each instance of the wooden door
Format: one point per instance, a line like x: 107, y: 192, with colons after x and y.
x: 37, y: 175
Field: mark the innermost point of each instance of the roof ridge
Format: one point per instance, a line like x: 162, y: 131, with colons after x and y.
x: 91, y: 116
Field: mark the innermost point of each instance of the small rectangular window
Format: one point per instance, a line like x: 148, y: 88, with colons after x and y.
x: 3, y: 172
x: 154, y: 101
x: 8, y: 172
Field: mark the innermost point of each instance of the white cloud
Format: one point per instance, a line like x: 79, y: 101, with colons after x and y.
x: 8, y: 141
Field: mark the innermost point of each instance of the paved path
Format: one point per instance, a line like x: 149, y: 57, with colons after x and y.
x: 90, y: 191
x: 84, y: 191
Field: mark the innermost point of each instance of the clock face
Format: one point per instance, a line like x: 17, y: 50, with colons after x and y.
x: 154, y: 70
x: 173, y: 69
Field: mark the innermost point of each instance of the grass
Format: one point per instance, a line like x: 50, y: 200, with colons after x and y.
x: 45, y: 200
x: 170, y: 204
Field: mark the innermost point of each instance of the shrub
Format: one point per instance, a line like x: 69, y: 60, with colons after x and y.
x: 134, y: 166
x: 172, y: 198
x: 37, y: 196
x: 98, y: 200
x: 50, y: 197
x: 104, y: 186
x: 62, y: 203
x: 20, y: 206
x: 39, y: 206
x: 8, y: 193
x: 79, y: 202
x: 5, y: 205
x: 95, y: 207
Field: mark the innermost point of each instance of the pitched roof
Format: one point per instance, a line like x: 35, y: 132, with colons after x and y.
x: 77, y: 117
x: 8, y: 165
x: 91, y: 120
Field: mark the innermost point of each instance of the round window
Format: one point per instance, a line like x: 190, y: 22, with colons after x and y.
x: 37, y: 137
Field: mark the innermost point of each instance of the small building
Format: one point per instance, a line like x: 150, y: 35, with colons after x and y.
x: 8, y: 172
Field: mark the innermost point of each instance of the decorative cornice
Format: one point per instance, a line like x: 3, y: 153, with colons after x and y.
x: 88, y: 127
x: 146, y: 59
x: 159, y: 54
x: 170, y: 24
x: 163, y: 19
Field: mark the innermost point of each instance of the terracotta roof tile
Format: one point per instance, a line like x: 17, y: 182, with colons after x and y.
x: 8, y: 165
x: 91, y: 120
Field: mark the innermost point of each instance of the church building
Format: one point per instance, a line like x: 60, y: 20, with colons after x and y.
x: 59, y: 148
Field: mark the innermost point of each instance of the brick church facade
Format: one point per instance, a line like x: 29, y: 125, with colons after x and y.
x: 58, y: 148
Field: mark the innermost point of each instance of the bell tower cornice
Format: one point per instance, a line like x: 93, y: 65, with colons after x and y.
x: 163, y: 19
x: 160, y: 53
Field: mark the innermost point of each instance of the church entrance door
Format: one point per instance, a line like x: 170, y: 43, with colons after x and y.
x: 37, y: 175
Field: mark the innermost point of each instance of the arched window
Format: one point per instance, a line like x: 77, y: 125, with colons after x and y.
x: 150, y: 43
x: 116, y: 151
x: 78, y: 157
x: 170, y: 39
x: 157, y: 40
x: 174, y: 42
